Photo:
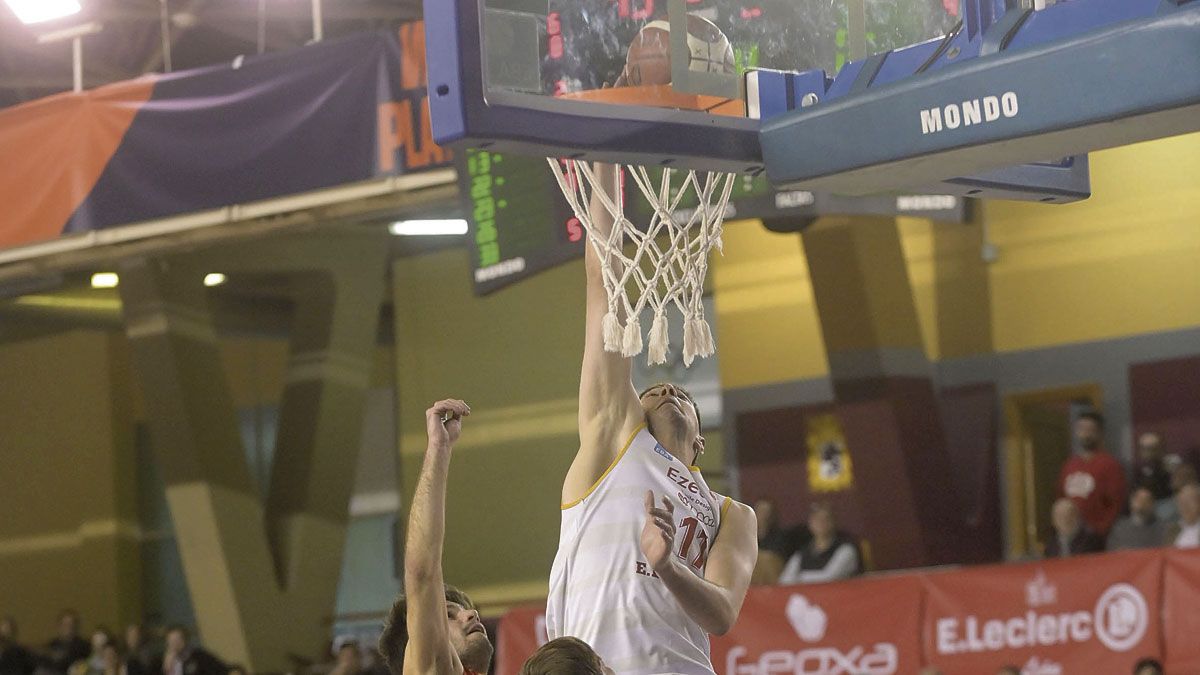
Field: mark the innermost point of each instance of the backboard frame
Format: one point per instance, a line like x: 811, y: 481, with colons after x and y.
x: 465, y: 113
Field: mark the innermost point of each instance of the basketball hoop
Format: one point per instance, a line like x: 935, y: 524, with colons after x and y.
x: 669, y: 257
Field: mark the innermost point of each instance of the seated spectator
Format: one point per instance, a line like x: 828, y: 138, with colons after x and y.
x: 184, y: 658
x: 565, y: 656
x: 1148, y: 666
x: 1186, y: 532
x: 1152, y: 472
x: 347, y: 655
x: 829, y: 556
x: 95, y: 662
x: 1071, y: 536
x: 67, y: 647
x: 1140, y: 529
x: 141, y: 658
x: 1182, y: 475
x: 14, y: 659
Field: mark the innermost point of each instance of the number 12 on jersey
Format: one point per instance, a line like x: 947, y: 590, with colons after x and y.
x: 693, y: 535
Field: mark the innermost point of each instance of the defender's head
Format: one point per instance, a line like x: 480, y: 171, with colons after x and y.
x: 565, y: 656
x: 673, y: 418
x: 467, y: 634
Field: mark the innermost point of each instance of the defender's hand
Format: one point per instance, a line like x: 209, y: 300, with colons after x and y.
x: 443, y: 422
x: 658, y: 534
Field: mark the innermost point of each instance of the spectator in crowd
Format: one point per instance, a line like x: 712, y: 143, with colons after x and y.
x: 14, y: 659
x: 1152, y: 472
x: 1092, y: 477
x: 1141, y: 528
x: 348, y: 656
x: 67, y: 647
x: 1186, y: 532
x: 1148, y: 666
x: 829, y: 556
x: 1182, y: 475
x: 1071, y: 535
x: 94, y: 663
x: 182, y: 657
x: 776, y: 544
x: 565, y: 656
x: 140, y: 655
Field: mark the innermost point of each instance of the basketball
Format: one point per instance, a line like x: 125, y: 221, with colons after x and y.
x: 649, y: 58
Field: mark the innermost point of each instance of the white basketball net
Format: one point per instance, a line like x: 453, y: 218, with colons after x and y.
x: 669, y: 259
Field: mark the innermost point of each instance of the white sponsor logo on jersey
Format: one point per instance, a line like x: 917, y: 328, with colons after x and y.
x: 1079, y: 484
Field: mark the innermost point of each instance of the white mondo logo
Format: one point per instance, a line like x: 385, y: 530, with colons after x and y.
x: 1121, y: 617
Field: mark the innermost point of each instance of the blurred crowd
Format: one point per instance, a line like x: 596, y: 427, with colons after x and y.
x: 146, y: 651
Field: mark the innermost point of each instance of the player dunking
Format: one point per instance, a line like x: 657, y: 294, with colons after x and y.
x: 650, y: 561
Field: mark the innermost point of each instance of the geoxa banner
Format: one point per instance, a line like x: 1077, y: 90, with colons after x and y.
x: 868, y: 627
x: 1096, y: 614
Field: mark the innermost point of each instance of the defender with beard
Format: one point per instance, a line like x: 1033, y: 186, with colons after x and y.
x: 650, y: 560
x: 434, y: 629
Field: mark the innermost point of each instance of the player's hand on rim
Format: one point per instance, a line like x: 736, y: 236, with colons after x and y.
x: 443, y: 422
x: 658, y: 534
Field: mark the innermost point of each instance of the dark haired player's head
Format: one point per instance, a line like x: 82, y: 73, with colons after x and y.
x: 1148, y: 666
x: 673, y: 418
x: 565, y: 656
x: 467, y: 634
x: 1089, y: 430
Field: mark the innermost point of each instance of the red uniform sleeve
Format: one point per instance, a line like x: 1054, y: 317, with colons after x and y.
x: 1113, y: 495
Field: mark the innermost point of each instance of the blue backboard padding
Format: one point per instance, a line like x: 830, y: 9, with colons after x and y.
x: 774, y: 91
x: 444, y: 28
x: 1153, y: 63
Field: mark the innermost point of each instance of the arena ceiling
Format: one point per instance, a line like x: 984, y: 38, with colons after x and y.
x: 199, y: 33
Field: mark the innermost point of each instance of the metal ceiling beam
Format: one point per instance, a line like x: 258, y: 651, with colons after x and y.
x: 289, y: 12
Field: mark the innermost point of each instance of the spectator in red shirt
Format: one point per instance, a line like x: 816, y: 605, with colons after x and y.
x: 1093, y: 478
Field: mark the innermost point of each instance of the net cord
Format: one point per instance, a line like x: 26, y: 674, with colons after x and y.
x: 657, y: 275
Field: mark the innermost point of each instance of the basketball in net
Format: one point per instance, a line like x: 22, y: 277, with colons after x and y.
x: 658, y: 265
x: 649, y: 58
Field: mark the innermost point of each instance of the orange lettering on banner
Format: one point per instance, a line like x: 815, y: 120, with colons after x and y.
x: 412, y: 55
x: 396, y: 130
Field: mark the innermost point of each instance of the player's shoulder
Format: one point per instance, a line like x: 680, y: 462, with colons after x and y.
x: 736, y: 512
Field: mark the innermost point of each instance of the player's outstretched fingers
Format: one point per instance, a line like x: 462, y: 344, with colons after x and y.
x: 668, y: 504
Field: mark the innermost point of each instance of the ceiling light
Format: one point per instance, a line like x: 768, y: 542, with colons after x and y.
x: 37, y: 11
x: 428, y: 227
x: 214, y: 279
x: 105, y: 280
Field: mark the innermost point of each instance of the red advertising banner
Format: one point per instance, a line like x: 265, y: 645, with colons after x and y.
x: 1181, y: 611
x: 868, y: 627
x: 1091, y: 614
x: 520, y: 633
x: 1098, y: 614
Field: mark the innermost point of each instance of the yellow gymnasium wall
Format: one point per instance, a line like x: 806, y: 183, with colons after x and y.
x: 1121, y: 263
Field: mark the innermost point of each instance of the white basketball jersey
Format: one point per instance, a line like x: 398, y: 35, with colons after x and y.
x: 603, y: 591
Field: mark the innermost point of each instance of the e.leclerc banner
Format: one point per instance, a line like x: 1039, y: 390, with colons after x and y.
x: 1095, y: 614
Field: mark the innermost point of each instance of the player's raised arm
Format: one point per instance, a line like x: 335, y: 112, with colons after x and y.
x: 608, y: 404
x: 715, y: 600
x: 429, y: 650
